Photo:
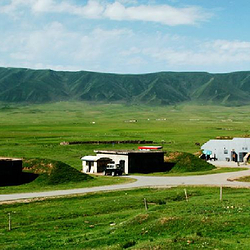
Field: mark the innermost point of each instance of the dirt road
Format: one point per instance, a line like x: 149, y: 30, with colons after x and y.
x: 146, y: 181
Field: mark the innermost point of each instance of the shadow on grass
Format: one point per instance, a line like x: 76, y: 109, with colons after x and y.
x: 24, y: 178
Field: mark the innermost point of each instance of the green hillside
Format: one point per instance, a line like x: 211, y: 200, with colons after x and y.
x: 163, y: 88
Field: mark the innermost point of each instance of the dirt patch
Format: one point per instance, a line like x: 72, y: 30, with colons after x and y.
x: 171, y: 157
x: 141, y: 218
x: 165, y: 220
x: 38, y: 166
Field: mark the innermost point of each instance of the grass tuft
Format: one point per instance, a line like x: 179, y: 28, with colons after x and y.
x: 244, y: 179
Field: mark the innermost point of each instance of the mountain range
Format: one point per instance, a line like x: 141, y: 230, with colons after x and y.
x: 21, y: 85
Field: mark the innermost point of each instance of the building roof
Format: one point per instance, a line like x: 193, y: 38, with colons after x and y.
x: 90, y: 158
x: 10, y: 159
x: 224, y: 141
x: 93, y: 158
x: 150, y: 147
x: 126, y: 152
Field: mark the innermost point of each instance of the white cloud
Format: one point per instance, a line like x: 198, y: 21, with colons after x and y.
x: 55, y: 45
x: 131, y: 51
x: 13, y: 6
x: 100, y: 44
x: 205, y: 54
x: 93, y: 9
x: 164, y: 14
x: 229, y: 46
x: 43, y: 6
x: 60, y: 45
x: 136, y: 62
x: 128, y: 1
x: 33, y: 47
x: 118, y: 50
x: 118, y: 10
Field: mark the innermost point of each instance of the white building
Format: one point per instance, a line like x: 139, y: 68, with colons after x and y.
x: 94, y: 164
x: 228, y: 150
x: 131, y: 161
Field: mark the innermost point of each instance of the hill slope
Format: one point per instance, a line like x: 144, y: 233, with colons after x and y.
x: 41, y: 86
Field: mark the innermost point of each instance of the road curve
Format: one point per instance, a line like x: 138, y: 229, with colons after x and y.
x: 222, y: 179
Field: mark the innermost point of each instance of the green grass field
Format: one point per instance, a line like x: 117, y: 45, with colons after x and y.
x: 35, y: 131
x: 213, y: 171
x: 119, y: 220
x: 46, y: 175
x: 38, y: 187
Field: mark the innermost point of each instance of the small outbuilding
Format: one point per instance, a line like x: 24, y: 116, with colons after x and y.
x: 10, y: 170
x: 236, y: 149
x: 130, y: 161
x: 94, y: 164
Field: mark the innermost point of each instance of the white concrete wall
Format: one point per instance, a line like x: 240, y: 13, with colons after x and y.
x: 219, y: 148
x: 117, y: 158
x: 87, y: 169
x: 222, y: 148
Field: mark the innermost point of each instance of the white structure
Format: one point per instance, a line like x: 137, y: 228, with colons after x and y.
x: 228, y: 150
x: 94, y: 164
x: 118, y: 157
x: 130, y: 161
x: 91, y: 164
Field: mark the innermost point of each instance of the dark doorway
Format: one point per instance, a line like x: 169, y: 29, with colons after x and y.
x: 234, y: 156
x: 122, y: 165
x: 241, y: 156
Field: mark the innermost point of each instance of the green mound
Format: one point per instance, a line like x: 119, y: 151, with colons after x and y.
x: 52, y: 172
x: 185, y: 162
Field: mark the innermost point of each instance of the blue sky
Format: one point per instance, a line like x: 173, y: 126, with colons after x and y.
x: 126, y: 36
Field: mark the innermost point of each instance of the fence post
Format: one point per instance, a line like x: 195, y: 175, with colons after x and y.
x: 146, y: 204
x: 185, y: 191
x: 221, y: 193
x: 9, y: 221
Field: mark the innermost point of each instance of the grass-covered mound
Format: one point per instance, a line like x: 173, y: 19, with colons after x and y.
x: 52, y: 172
x: 186, y: 162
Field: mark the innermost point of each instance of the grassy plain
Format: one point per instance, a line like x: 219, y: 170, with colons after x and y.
x: 41, y: 187
x: 118, y: 220
x: 244, y: 179
x: 213, y: 171
x: 36, y: 130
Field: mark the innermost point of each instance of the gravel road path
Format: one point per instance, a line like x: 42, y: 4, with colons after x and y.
x: 222, y: 179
